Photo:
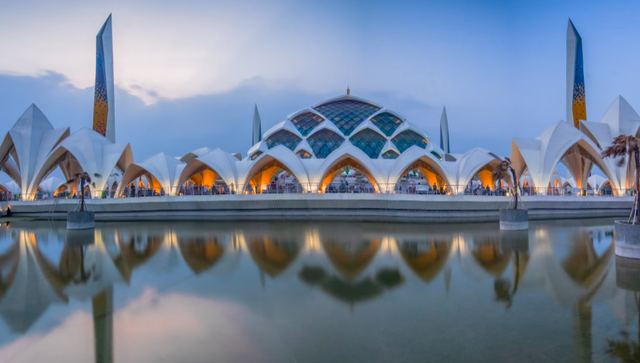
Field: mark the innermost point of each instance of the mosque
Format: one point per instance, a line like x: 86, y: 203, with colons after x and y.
x: 345, y: 144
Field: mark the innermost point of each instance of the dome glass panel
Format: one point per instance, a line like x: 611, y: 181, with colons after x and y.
x: 283, y: 137
x: 306, y: 121
x: 304, y: 154
x: 390, y: 154
x: 369, y: 141
x: 386, y: 122
x: 324, y: 142
x: 408, y: 138
x: 347, y: 114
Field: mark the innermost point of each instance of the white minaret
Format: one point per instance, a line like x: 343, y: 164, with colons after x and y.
x: 257, y: 127
x: 444, y: 132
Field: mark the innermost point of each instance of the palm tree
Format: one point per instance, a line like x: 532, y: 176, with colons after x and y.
x: 82, y: 177
x: 502, y: 172
x: 627, y: 145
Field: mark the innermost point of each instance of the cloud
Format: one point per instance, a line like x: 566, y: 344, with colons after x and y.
x: 177, y: 126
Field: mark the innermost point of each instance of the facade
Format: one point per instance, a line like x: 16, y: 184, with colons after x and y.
x: 350, y: 133
x: 576, y: 97
x: 104, y: 106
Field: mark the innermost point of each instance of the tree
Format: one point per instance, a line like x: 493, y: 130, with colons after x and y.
x: 627, y: 145
x: 504, y: 171
x: 82, y: 177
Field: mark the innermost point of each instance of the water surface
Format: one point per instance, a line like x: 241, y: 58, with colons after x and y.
x: 315, y: 292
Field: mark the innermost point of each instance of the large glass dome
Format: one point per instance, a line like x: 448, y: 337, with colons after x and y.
x: 316, y: 132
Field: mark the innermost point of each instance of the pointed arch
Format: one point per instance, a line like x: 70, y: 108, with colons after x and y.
x: 340, y: 165
x: 418, y: 158
x: 207, y: 168
x: 280, y: 159
x: 201, y: 174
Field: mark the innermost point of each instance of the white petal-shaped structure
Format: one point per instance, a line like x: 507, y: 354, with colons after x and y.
x: 216, y: 163
x: 11, y: 169
x: 29, y: 142
x: 619, y: 119
x: 559, y: 143
x: 91, y: 152
x: 194, y: 154
x: 596, y: 182
x: 161, y: 170
x: 51, y: 185
x: 476, y: 161
x: 13, y: 187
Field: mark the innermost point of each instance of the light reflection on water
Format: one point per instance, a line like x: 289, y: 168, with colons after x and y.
x: 315, y: 292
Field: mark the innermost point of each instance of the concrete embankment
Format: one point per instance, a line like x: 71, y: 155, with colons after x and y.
x: 356, y: 207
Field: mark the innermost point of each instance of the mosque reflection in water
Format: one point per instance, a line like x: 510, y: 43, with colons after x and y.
x: 43, y: 265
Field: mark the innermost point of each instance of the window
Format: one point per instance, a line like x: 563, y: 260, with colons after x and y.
x: 408, y: 138
x: 283, y: 137
x: 305, y: 122
x: 369, y: 141
x: 390, y: 154
x: 347, y: 114
x: 386, y: 122
x: 304, y: 154
x: 436, y: 154
x: 255, y: 155
x: 324, y: 142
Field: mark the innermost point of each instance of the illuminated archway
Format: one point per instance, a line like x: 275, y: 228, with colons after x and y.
x: 349, y: 169
x: 204, y: 180
x: 426, y: 172
x: 272, y: 177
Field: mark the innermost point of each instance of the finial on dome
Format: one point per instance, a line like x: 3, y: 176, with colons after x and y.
x: 348, y: 90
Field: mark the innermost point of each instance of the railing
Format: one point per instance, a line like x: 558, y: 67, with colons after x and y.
x: 332, y: 188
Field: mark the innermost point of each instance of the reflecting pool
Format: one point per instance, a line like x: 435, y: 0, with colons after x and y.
x: 315, y: 292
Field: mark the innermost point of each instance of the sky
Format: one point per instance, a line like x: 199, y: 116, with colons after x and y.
x: 188, y: 73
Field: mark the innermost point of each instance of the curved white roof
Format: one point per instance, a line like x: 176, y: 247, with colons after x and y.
x: 11, y: 169
x: 221, y: 162
x: 13, y: 187
x: 51, y: 184
x: 94, y: 153
x: 164, y: 170
x: 194, y: 154
x: 619, y: 119
x: 541, y: 155
x: 29, y: 141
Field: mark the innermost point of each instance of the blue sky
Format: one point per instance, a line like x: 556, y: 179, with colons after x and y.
x: 188, y: 73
